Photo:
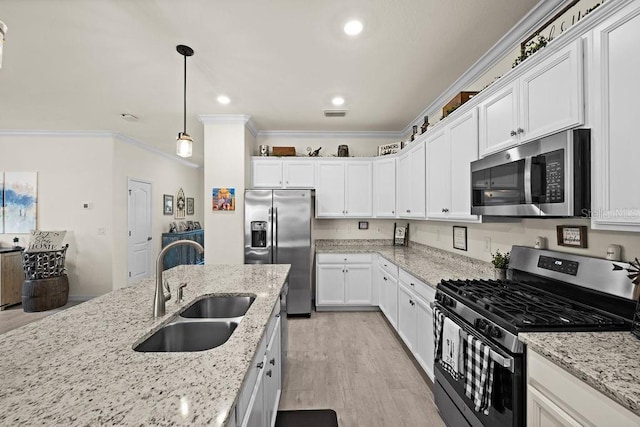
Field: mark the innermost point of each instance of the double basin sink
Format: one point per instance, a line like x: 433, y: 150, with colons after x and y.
x: 205, y: 324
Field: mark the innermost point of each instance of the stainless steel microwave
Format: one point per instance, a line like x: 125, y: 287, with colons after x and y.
x: 547, y: 177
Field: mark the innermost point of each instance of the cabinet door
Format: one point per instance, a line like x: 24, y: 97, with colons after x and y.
x: 358, y: 289
x: 330, y: 191
x: 384, y: 188
x: 403, y: 187
x: 272, y: 379
x: 418, y: 179
x: 330, y: 284
x: 439, y: 176
x: 463, y: 144
x: 616, y: 204
x: 359, y: 189
x: 424, y: 336
x: 299, y: 173
x: 542, y: 412
x: 381, y: 282
x: 11, y: 278
x: 551, y: 94
x: 267, y: 173
x: 406, y: 316
x: 498, y: 120
x: 256, y: 411
x: 391, y: 296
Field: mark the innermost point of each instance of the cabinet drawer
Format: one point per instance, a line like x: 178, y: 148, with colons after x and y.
x: 388, y: 267
x: 418, y: 286
x: 344, y: 258
x: 273, y: 320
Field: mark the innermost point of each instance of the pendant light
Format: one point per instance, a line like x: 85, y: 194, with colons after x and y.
x: 184, y: 144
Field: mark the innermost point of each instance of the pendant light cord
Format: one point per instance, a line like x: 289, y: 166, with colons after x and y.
x: 184, y: 116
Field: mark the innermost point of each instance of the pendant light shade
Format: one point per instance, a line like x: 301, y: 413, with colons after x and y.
x: 184, y: 144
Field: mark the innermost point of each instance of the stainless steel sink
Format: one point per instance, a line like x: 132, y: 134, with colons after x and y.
x: 188, y: 336
x: 219, y: 307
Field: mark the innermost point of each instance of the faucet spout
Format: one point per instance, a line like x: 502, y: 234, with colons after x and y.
x: 159, y: 299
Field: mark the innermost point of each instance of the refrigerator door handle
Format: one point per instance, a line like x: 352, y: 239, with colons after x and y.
x: 275, y: 235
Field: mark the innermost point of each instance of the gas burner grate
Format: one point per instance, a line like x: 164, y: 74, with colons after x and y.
x: 527, y: 307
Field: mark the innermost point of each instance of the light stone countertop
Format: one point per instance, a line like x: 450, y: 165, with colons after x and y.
x: 607, y: 361
x: 78, y: 367
x: 428, y: 264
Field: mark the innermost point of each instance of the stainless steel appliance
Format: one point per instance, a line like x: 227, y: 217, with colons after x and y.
x: 547, y: 177
x: 278, y: 231
x: 545, y: 292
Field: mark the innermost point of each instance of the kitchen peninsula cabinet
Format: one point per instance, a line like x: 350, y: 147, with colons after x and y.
x: 545, y: 99
x: 615, y: 149
x: 11, y: 277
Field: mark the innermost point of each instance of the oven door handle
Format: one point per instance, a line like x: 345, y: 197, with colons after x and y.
x: 505, y: 362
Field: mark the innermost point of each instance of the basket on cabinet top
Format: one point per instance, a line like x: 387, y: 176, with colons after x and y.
x: 43, y: 265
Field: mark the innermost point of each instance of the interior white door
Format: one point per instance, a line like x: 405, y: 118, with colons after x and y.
x: 139, y: 242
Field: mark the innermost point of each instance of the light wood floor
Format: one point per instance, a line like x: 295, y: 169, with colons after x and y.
x: 13, y: 317
x: 354, y: 364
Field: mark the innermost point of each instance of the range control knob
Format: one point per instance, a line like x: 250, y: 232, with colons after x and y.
x: 495, y: 332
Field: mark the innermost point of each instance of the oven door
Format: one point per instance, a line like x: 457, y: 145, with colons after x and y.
x: 507, y: 398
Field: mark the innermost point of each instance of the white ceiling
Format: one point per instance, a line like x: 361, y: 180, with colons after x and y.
x: 76, y: 65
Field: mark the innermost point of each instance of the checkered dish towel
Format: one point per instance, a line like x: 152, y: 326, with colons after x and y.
x: 438, y: 328
x: 438, y: 321
x: 479, y: 374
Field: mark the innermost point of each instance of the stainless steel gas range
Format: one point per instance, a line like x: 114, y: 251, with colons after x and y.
x: 544, y: 291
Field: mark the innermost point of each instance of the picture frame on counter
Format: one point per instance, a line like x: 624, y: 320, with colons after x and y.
x: 167, y: 204
x: 460, y: 238
x: 573, y: 236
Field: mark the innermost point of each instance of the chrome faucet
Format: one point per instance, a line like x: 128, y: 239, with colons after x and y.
x: 159, y: 298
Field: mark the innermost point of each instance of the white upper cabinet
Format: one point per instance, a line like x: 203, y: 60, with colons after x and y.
x: 344, y: 189
x: 546, y: 99
x: 282, y: 173
x: 267, y: 173
x: 614, y: 141
x: 449, y: 154
x: 384, y: 187
x: 299, y: 173
x: 411, y: 182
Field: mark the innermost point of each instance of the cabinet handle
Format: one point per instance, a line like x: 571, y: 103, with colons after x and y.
x: 393, y: 212
x: 269, y: 373
x: 412, y: 284
x: 384, y: 278
x: 287, y: 182
x: 520, y: 130
x: 347, y: 270
x: 408, y: 210
x: 260, y: 365
x: 346, y: 212
x: 277, y: 315
x: 273, y: 361
x: 513, y: 133
x: 445, y: 210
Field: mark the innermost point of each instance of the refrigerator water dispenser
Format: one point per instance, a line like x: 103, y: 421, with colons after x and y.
x: 258, y: 234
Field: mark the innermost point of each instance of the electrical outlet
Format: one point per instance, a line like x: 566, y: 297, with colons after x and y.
x: 487, y: 244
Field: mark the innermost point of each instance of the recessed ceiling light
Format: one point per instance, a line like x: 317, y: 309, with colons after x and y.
x: 353, y: 27
x: 223, y: 99
x: 337, y: 101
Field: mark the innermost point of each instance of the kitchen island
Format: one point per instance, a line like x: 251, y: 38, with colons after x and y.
x: 78, y: 367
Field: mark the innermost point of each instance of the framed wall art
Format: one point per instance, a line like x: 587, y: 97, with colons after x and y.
x: 18, y: 201
x: 574, y: 236
x: 460, y: 238
x: 190, y: 206
x: 181, y: 204
x: 223, y: 199
x: 167, y: 204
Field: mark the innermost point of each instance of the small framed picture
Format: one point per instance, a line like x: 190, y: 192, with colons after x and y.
x: 190, y: 206
x: 460, y: 238
x: 167, y: 204
x: 574, y: 236
x: 363, y: 225
x: 400, y: 235
x: 196, y: 225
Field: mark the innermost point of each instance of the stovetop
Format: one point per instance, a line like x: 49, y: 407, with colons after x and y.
x: 519, y: 307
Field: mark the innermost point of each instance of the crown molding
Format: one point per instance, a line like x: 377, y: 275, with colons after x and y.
x: 328, y: 134
x: 244, y: 119
x: 537, y: 16
x: 100, y: 134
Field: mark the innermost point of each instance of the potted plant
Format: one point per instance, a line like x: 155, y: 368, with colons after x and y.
x: 500, y: 263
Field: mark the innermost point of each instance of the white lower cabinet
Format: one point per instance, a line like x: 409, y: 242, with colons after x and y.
x: 260, y: 396
x: 344, y: 280
x: 557, y: 398
x: 406, y: 316
x: 388, y: 295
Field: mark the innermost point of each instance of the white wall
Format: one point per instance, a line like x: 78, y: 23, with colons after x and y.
x: 71, y: 170
x: 167, y: 177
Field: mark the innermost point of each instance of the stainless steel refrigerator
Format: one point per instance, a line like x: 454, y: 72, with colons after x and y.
x: 277, y: 230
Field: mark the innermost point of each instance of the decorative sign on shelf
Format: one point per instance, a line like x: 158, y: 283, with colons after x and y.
x: 572, y: 235
x: 460, y: 238
x: 391, y: 148
x: 400, y: 235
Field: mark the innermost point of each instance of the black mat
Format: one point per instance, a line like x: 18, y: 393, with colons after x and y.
x: 307, y: 418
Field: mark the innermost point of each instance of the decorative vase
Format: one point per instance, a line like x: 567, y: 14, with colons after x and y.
x: 500, y: 273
